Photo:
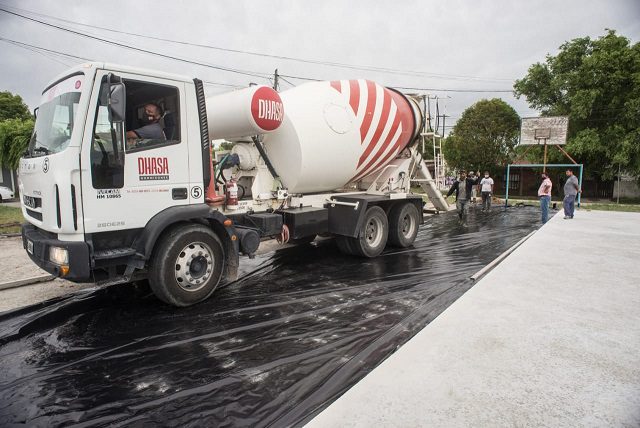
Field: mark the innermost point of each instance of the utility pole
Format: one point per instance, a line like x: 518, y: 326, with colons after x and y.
x: 444, y: 118
x: 275, y: 80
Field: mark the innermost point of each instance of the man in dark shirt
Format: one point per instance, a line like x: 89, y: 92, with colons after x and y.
x: 462, y: 187
x: 151, y: 129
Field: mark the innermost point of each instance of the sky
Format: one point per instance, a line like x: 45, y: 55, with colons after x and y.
x: 459, y: 51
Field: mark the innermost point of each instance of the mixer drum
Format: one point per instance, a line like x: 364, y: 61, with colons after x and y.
x: 338, y: 132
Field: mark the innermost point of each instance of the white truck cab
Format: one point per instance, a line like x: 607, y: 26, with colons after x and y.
x: 90, y: 196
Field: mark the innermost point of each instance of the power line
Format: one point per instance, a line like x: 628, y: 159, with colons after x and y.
x: 122, y: 45
x: 51, y: 51
x: 288, y: 58
x: 412, y: 88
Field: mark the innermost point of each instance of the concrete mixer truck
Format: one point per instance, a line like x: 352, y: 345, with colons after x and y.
x: 118, y: 182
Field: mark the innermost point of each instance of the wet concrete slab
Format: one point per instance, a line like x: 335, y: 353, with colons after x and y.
x: 550, y: 337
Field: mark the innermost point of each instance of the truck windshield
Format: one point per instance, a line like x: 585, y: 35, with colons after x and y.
x: 56, y: 114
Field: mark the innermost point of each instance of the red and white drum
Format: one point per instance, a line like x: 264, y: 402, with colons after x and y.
x: 338, y: 132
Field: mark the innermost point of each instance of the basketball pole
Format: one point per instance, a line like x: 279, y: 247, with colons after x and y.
x: 544, y: 163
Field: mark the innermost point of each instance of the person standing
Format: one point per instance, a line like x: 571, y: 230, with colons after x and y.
x: 486, y: 189
x: 544, y: 193
x: 463, y: 187
x: 571, y: 190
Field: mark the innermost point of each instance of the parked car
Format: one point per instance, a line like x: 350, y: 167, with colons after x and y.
x: 5, y: 193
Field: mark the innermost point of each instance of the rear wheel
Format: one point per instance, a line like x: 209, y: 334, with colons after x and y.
x: 187, y: 265
x: 372, y: 236
x: 404, y: 220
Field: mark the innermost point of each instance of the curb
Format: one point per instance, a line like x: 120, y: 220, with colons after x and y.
x: 26, y: 281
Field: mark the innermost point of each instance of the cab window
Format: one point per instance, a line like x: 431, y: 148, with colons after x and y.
x: 153, y: 116
x: 107, y: 163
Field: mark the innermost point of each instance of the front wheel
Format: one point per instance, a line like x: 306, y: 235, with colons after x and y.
x: 404, y: 220
x: 187, y: 265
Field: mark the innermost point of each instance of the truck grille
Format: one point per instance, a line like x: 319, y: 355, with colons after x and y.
x: 34, y: 214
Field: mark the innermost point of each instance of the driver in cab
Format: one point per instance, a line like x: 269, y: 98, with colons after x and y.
x: 151, y: 129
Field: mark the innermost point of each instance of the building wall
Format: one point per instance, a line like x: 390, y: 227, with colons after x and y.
x: 628, y: 188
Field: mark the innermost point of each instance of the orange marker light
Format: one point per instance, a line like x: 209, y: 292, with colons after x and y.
x: 64, y: 270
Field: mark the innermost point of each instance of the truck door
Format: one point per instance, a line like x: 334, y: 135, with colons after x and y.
x: 129, y: 180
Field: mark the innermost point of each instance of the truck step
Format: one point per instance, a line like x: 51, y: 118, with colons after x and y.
x: 113, y: 253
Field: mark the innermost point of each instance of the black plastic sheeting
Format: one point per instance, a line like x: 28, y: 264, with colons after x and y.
x: 299, y: 328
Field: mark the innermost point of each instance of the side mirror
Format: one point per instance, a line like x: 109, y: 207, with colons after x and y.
x: 116, y: 102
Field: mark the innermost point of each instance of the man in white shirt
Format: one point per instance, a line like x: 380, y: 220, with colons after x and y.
x: 486, y: 189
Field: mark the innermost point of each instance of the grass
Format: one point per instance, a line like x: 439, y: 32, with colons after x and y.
x: 10, y: 215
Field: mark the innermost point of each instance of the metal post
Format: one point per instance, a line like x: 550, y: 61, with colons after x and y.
x: 580, y: 184
x: 618, y: 196
x: 506, y: 194
x: 544, y: 167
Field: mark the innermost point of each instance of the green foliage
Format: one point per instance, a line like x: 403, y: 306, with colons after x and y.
x: 14, y: 139
x: 12, y: 107
x: 483, y: 138
x: 597, y: 84
x: 16, y: 127
x: 226, y: 145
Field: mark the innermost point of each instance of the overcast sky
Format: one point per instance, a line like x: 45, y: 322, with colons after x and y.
x: 461, y: 45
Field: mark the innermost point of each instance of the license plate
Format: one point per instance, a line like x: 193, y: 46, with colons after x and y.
x: 29, y: 201
x: 30, y: 246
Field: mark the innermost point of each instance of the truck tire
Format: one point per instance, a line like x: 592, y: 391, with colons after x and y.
x: 187, y: 265
x: 403, y: 225
x: 372, y: 236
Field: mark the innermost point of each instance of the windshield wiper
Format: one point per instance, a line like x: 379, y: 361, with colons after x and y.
x: 41, y: 150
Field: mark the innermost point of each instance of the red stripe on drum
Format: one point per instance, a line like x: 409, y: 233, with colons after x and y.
x: 393, y: 152
x: 354, y: 95
x: 335, y: 84
x: 367, y: 169
x: 368, y: 113
x: 384, y: 118
x: 405, y: 114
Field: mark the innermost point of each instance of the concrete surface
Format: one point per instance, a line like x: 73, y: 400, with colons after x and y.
x: 551, y: 337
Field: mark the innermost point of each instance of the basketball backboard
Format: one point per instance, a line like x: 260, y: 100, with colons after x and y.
x: 538, y: 130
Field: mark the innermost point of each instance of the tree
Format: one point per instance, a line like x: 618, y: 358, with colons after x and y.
x: 12, y: 107
x: 597, y: 84
x: 484, y: 137
x: 14, y: 139
x: 16, y: 127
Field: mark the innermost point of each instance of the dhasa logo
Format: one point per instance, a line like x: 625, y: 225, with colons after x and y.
x: 270, y: 110
x: 152, y: 169
x: 267, y: 109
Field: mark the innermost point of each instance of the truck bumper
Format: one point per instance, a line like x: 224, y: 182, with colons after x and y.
x: 37, y: 245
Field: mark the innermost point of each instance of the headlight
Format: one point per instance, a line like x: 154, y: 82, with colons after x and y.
x: 59, y: 256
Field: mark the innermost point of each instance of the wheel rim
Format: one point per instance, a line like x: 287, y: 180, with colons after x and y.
x: 194, y: 266
x: 373, y: 232
x: 408, y: 224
